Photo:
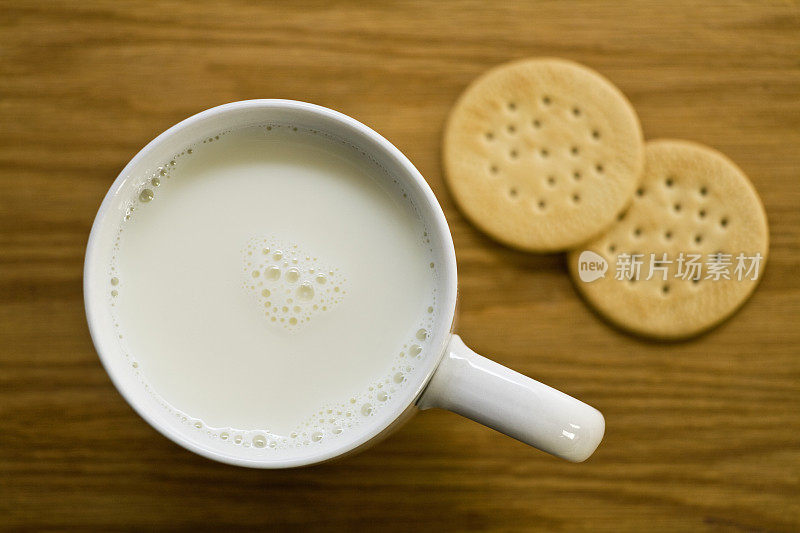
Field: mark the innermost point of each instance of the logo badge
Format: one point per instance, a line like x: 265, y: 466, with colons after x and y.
x: 591, y: 266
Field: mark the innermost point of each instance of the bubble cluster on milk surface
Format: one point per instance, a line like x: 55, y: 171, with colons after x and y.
x: 290, y: 285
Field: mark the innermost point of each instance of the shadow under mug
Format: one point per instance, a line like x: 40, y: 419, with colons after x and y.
x: 453, y: 377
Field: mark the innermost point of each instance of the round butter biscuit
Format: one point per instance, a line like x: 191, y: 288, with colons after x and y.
x: 696, y: 228
x: 542, y: 154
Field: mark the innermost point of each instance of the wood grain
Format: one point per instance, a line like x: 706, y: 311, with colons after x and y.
x: 702, y: 435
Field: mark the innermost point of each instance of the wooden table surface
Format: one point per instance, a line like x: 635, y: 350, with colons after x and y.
x: 701, y: 435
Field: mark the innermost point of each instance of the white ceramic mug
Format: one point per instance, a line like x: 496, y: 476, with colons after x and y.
x: 454, y: 377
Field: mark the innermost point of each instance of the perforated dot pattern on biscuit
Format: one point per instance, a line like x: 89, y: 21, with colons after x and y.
x: 534, y: 145
x: 694, y: 232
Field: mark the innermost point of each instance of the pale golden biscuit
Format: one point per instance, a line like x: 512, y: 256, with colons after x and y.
x: 542, y: 154
x: 692, y: 201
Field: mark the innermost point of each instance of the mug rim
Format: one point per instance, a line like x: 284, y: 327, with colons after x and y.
x: 448, y: 284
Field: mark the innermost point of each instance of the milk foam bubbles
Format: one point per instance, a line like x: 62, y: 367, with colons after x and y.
x: 272, y: 288
x: 290, y: 284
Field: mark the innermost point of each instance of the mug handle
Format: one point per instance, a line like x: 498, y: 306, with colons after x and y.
x: 486, y: 392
